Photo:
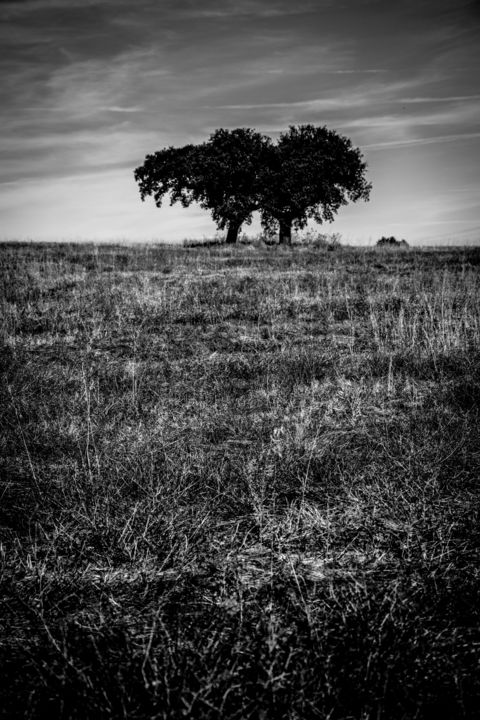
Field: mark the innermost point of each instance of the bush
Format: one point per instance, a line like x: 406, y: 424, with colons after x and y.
x: 203, y: 242
x: 317, y: 240
x: 391, y: 242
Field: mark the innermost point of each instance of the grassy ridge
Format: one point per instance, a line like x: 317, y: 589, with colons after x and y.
x: 240, y: 483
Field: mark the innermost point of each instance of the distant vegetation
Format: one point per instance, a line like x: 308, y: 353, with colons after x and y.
x: 308, y: 174
x: 309, y: 238
x: 391, y: 242
x: 239, y: 484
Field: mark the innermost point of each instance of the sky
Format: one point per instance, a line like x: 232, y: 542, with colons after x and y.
x: 90, y: 87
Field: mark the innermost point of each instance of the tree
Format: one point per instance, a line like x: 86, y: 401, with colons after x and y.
x: 223, y: 175
x: 310, y: 174
x: 171, y: 171
x: 232, y: 177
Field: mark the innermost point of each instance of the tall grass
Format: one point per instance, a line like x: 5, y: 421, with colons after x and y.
x: 239, y: 482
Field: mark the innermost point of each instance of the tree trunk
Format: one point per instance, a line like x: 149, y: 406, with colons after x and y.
x: 285, y: 232
x: 232, y: 232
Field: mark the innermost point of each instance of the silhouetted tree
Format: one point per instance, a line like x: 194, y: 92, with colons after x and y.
x: 233, y: 164
x: 223, y: 175
x: 171, y: 171
x: 310, y: 173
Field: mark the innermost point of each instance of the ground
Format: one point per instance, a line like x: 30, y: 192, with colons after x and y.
x: 240, y: 482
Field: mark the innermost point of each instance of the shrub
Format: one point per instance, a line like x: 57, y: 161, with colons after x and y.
x: 203, y: 242
x: 391, y: 242
x: 317, y: 240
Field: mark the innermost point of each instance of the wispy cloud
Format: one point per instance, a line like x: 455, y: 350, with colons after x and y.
x: 27, y: 6
x: 118, y: 109
x: 358, y: 71
x: 448, y: 99
x: 253, y: 8
x: 432, y: 140
x: 318, y: 104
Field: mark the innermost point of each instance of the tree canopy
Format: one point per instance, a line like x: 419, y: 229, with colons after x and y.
x: 309, y: 173
x: 312, y: 172
x: 223, y: 175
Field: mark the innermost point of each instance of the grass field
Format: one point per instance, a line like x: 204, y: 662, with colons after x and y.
x: 240, y: 483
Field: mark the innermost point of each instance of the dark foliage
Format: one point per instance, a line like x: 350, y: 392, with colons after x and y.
x: 391, y: 242
x: 222, y: 175
x: 311, y: 173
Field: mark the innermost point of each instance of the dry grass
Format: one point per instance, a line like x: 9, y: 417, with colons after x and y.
x: 240, y: 482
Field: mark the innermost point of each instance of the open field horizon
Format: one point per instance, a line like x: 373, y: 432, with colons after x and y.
x: 442, y: 242
x: 239, y: 482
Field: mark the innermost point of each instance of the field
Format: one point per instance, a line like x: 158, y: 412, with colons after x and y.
x: 240, y: 483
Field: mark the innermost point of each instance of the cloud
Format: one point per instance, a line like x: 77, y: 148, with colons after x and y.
x: 253, y: 8
x: 26, y: 6
x: 447, y: 99
x: 117, y: 109
x: 318, y: 104
x: 358, y: 71
x: 422, y: 141
x: 457, y: 116
x: 363, y: 94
